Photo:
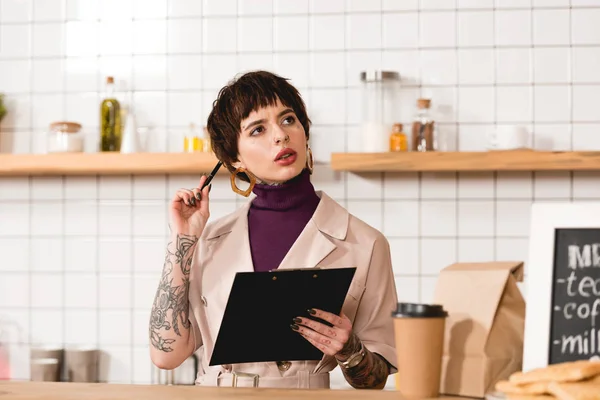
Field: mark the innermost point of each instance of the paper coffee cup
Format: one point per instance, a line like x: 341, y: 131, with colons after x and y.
x: 419, y: 338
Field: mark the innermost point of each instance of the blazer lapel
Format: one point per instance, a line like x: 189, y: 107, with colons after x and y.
x: 311, y: 247
x: 315, y: 241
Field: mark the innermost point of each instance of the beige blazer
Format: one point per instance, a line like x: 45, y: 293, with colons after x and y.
x: 332, y: 238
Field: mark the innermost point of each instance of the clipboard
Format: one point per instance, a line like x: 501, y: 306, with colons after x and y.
x: 262, y: 305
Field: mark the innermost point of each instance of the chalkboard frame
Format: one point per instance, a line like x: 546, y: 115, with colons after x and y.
x: 539, y: 270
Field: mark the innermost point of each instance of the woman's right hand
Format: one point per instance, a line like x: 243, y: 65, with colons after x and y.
x: 188, y: 210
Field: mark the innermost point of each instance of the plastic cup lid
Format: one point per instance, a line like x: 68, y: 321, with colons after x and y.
x: 417, y: 310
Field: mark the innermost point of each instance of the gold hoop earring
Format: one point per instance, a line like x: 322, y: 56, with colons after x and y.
x: 310, y: 162
x: 236, y: 189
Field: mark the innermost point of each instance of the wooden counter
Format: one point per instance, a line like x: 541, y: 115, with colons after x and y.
x: 14, y: 390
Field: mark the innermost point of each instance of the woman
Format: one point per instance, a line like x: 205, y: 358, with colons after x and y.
x: 259, y: 129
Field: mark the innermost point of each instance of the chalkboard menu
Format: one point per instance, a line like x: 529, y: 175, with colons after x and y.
x: 575, y: 319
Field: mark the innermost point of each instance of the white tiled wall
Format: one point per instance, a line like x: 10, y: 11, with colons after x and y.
x: 81, y: 256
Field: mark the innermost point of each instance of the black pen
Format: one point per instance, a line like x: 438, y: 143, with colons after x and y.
x: 212, y: 175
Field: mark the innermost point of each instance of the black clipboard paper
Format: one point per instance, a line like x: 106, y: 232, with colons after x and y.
x: 262, y: 305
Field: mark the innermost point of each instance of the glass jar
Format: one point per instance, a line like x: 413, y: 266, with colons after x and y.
x: 379, y: 109
x: 423, y: 128
x: 64, y: 137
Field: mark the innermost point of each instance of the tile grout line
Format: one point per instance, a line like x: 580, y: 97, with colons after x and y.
x: 300, y: 52
x: 30, y: 184
x: 419, y: 175
x: 131, y: 276
x: 329, y: 13
x: 382, y: 175
x: 456, y: 175
x: 272, y: 34
x: 167, y: 132
x: 337, y: 88
x: 180, y: 125
x: 345, y: 15
x: 572, y: 174
x: 533, y: 82
x: 131, y: 182
x: 63, y: 195
x: 101, y: 91
x: 131, y: 178
x: 97, y: 265
x: 495, y: 173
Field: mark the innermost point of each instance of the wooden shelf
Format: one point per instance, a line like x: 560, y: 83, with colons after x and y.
x: 107, y: 164
x: 517, y: 160
x: 197, y: 163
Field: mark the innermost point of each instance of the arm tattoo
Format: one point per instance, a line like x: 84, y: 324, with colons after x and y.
x: 171, y: 304
x: 370, y: 373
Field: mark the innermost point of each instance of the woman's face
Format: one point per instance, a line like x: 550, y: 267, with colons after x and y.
x: 272, y: 144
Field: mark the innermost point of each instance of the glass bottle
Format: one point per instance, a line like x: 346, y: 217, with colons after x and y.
x: 423, y: 128
x: 206, y: 140
x: 398, y: 139
x: 110, y: 119
x: 191, y: 141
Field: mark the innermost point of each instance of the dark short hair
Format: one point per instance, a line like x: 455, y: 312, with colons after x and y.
x: 241, y: 96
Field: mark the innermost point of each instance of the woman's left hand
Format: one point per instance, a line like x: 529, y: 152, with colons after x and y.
x: 330, y: 340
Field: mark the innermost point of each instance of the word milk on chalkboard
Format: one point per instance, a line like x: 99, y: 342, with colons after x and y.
x: 575, y: 321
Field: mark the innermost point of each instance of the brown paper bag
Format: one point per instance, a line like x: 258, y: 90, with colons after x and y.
x: 483, y: 341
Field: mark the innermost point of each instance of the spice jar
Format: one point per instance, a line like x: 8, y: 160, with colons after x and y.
x: 379, y: 110
x: 398, y: 139
x: 423, y: 128
x: 64, y: 137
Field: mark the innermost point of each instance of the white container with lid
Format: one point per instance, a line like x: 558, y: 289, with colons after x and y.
x: 379, y: 109
x: 64, y: 137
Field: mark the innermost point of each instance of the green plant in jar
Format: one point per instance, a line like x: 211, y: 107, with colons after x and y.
x: 2, y: 107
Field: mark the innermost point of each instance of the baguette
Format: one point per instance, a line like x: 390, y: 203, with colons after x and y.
x: 573, y: 371
x: 536, y: 388
x: 583, y: 390
x: 529, y: 397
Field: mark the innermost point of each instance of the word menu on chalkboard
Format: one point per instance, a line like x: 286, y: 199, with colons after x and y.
x: 575, y: 318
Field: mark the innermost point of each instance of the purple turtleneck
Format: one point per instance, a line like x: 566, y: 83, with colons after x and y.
x: 277, y: 216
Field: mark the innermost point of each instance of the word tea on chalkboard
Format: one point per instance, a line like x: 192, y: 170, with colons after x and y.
x: 575, y: 334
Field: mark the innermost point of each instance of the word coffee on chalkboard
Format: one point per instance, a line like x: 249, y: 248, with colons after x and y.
x: 575, y: 333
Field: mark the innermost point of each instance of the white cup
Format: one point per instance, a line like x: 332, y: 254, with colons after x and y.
x: 81, y: 364
x: 508, y: 137
x: 45, y: 370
